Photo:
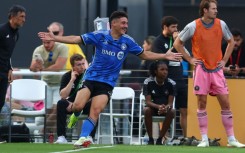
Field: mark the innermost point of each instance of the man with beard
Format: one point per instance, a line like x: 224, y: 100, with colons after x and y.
x: 162, y: 44
x: 235, y: 66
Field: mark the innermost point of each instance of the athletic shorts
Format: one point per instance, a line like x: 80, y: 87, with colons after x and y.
x: 181, y: 96
x: 97, y: 88
x: 206, y: 82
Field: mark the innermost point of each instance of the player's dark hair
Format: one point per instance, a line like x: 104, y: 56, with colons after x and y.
x: 75, y: 57
x: 117, y: 15
x: 205, y: 4
x: 13, y: 11
x: 236, y: 32
x: 168, y: 20
x: 150, y: 39
x: 154, y: 66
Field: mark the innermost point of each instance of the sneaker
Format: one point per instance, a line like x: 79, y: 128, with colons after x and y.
x: 2, y: 141
x: 61, y: 140
x: 159, y: 141
x: 72, y: 121
x: 235, y: 143
x: 203, y: 143
x: 90, y: 139
x: 162, y: 141
x: 150, y: 141
x: 82, y: 142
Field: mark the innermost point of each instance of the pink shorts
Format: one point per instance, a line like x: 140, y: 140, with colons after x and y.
x: 212, y: 83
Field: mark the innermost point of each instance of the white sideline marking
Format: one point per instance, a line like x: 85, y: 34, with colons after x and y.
x: 76, y: 150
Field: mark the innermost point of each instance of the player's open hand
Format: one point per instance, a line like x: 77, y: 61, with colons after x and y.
x: 221, y: 64
x: 194, y: 61
x: 173, y: 56
x: 49, y: 36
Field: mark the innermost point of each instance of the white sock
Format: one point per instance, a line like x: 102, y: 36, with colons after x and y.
x: 205, y: 137
x: 231, y: 138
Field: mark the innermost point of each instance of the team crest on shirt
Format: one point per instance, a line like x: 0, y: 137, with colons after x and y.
x: 166, y: 92
x: 196, y: 88
x: 120, y: 55
x: 166, y: 45
x: 123, y: 46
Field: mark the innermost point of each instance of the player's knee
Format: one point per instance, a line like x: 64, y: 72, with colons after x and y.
x: 171, y: 113
x: 148, y: 111
x: 77, y: 107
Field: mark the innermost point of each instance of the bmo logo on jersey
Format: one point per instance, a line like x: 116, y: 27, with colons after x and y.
x: 108, y: 52
x: 120, y: 55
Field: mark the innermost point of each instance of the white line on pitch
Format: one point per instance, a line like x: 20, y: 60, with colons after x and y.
x: 76, y: 150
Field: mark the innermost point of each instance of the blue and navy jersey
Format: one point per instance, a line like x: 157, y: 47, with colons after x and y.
x: 109, y: 55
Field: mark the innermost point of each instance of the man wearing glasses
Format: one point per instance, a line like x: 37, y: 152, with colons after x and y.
x: 50, y: 56
x: 58, y: 30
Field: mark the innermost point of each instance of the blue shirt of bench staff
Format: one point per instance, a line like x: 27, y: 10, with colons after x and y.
x: 109, y: 55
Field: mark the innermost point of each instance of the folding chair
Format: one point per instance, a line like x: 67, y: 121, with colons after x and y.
x: 30, y: 90
x: 120, y: 94
x: 154, y: 119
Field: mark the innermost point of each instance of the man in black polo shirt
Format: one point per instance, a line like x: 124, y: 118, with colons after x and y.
x: 9, y: 35
x: 162, y: 44
x: 69, y: 86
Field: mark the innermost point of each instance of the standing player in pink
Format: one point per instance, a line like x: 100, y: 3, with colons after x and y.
x: 206, y: 34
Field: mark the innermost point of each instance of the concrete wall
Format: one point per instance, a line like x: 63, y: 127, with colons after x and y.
x: 78, y: 15
x: 39, y: 15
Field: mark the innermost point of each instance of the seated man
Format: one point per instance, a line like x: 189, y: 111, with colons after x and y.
x: 70, y: 83
x: 159, y: 92
x: 50, y: 56
x: 58, y: 29
x: 235, y: 66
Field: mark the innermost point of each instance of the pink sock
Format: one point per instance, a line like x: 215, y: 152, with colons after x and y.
x: 227, y: 121
x: 203, y: 121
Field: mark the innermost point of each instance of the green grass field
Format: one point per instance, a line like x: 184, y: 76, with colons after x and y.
x: 68, y: 148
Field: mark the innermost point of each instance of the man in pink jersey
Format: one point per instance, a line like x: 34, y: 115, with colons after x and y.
x: 206, y: 34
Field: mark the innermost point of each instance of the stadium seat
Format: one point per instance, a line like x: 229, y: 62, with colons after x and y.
x: 121, y: 97
x: 30, y: 90
x: 154, y: 118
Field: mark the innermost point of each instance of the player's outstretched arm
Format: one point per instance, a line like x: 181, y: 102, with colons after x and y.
x: 159, y: 56
x: 49, y: 36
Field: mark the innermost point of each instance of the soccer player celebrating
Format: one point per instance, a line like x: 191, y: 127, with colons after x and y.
x: 112, y: 47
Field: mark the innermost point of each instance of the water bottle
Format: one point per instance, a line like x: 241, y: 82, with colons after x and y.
x: 51, y: 138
